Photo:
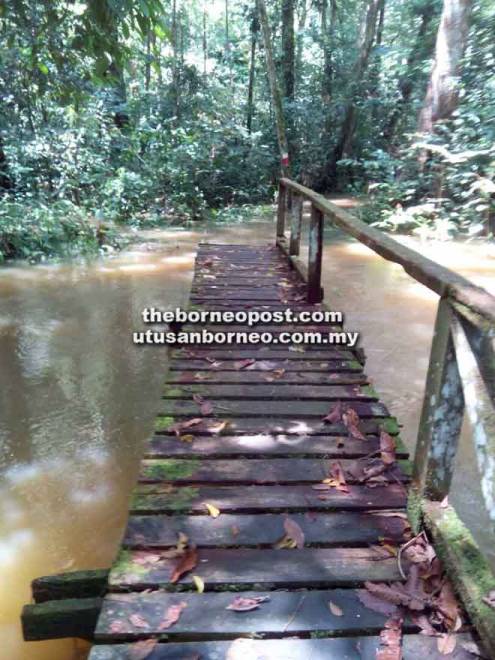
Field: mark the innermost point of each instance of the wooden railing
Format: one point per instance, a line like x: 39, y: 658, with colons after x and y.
x: 461, y: 373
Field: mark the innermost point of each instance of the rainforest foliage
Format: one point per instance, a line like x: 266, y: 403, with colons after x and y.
x: 136, y: 111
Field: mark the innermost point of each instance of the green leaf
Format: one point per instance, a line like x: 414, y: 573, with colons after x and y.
x: 43, y: 68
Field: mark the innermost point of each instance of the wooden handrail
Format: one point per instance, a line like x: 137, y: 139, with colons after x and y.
x: 461, y: 372
x: 439, y: 279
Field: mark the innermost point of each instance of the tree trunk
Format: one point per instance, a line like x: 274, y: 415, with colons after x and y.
x: 288, y: 48
x: 327, y: 37
x: 274, y: 88
x: 301, y: 24
x: 368, y: 34
x: 252, y: 71
x: 205, y: 41
x: 443, y: 90
x: 147, y: 70
x: 175, y: 64
x: 421, y: 49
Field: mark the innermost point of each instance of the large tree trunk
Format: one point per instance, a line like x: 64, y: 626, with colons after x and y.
x: 443, y: 90
x: 367, y: 37
x: 274, y: 88
x: 301, y: 24
x: 288, y: 48
x: 327, y: 37
x: 421, y: 49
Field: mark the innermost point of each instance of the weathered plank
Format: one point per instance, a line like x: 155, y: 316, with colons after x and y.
x: 76, y: 584
x: 266, y: 390
x: 275, y: 408
x: 330, y: 529
x: 307, y: 364
x: 166, y: 498
x: 343, y: 648
x: 207, y: 614
x: 252, y: 471
x: 266, y: 568
x: 162, y: 446
x: 284, y: 376
x: 262, y: 353
x: 57, y: 619
x: 273, y: 425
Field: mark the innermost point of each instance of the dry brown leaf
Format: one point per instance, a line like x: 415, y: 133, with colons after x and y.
x: 335, y: 414
x: 188, y: 561
x: 180, y: 426
x: 387, y: 448
x: 240, y: 604
x: 138, y: 621
x: 187, y: 437
x: 390, y: 640
x: 141, y: 650
x: 172, y: 615
x: 351, y: 421
x: 242, y: 364
x: 335, y: 609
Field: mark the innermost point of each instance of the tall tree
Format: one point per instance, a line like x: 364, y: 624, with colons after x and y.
x: 368, y: 31
x: 327, y: 38
x: 443, y: 90
x: 274, y: 88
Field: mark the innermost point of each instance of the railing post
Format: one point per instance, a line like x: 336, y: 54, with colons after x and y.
x: 282, y: 208
x: 295, y: 225
x: 442, y: 414
x: 315, y: 254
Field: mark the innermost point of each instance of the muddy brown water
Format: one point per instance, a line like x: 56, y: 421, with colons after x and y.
x: 77, y: 399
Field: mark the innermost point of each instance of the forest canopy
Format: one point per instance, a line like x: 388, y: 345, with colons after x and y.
x: 146, y: 111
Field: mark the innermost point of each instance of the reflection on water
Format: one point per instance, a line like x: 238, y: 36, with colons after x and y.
x: 77, y: 399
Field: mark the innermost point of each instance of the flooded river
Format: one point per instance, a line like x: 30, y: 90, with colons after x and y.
x: 77, y: 399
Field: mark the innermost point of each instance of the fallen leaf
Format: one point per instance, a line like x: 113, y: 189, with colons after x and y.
x: 186, y: 564
x: 335, y: 414
x: 198, y: 583
x: 242, y: 364
x: 117, y: 627
x: 182, y: 542
x: 240, y: 604
x: 390, y: 640
x: 141, y: 650
x: 180, y: 426
x: 172, y: 615
x: 446, y: 644
x: 187, y: 438
x: 275, y: 375
x: 387, y: 448
x: 376, y: 604
x: 351, y: 421
x: 217, y: 427
x: 138, y: 621
x: 294, y: 532
x: 212, y: 510
x: 335, y: 609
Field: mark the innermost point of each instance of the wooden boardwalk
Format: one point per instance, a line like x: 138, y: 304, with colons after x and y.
x: 259, y: 501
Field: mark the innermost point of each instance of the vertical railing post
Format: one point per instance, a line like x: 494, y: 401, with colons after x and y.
x: 442, y: 414
x: 282, y: 209
x: 295, y: 224
x: 315, y: 254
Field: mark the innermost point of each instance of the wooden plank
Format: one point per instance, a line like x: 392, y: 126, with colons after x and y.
x: 442, y: 413
x: 220, y: 376
x: 58, y: 619
x: 272, y: 425
x: 296, y: 215
x: 266, y: 568
x: 207, y: 615
x: 305, y: 365
x: 330, y: 529
x: 76, y: 584
x: 315, y: 254
x: 261, y: 353
x: 265, y: 390
x: 343, y: 648
x: 253, y: 499
x: 265, y: 444
x: 276, y: 408
x: 251, y: 471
